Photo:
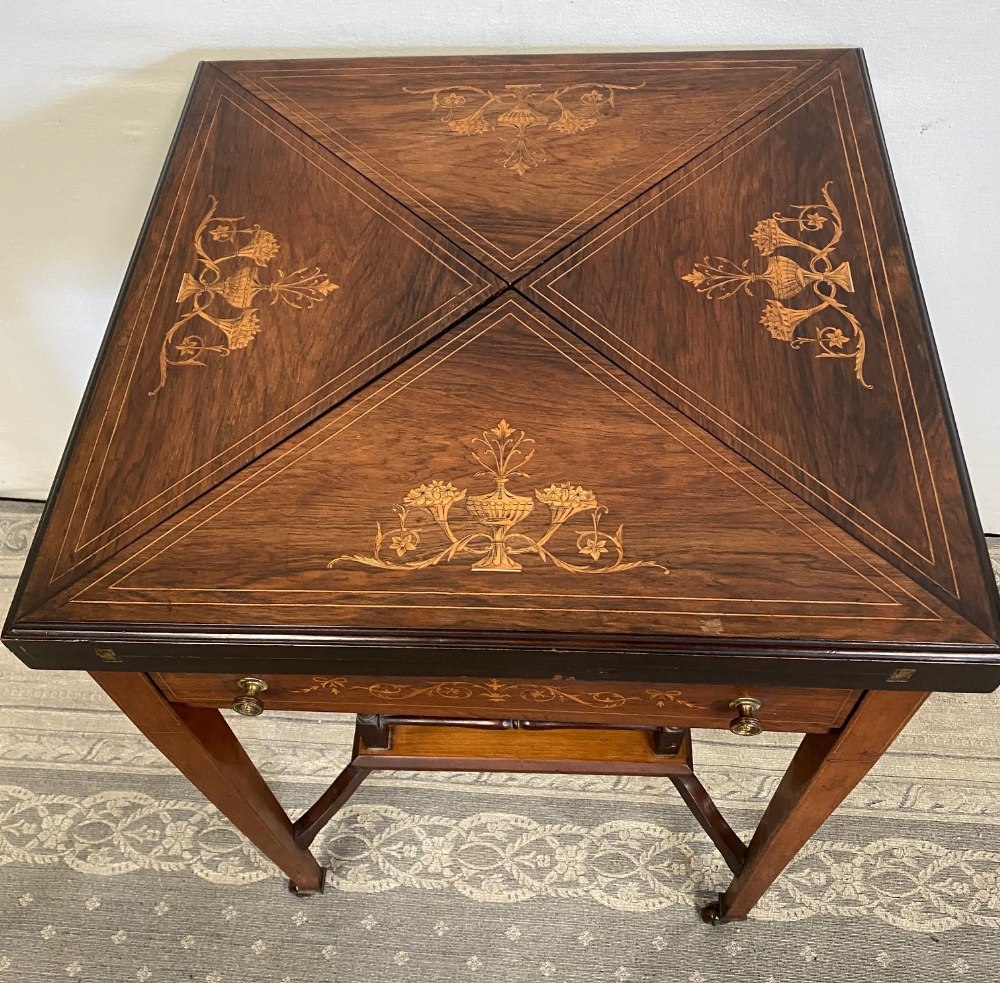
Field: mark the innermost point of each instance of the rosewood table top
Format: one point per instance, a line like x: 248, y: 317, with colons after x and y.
x: 520, y: 367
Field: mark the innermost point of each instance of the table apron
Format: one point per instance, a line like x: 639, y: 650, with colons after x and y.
x: 797, y: 709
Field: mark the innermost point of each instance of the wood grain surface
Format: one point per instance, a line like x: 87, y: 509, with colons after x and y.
x: 824, y: 771
x: 139, y: 456
x: 731, y: 552
x: 782, y: 708
x: 320, y: 439
x: 879, y: 461
x: 514, y: 156
x: 587, y: 751
x: 201, y: 745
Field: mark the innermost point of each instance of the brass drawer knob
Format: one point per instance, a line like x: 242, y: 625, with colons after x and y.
x: 248, y: 704
x: 746, y: 724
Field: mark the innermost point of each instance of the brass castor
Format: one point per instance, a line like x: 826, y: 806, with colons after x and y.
x: 293, y: 888
x: 711, y: 914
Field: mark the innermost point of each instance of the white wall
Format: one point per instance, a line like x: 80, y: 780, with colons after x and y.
x: 90, y: 93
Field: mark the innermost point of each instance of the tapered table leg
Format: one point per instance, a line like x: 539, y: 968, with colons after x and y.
x: 201, y: 745
x: 823, y: 772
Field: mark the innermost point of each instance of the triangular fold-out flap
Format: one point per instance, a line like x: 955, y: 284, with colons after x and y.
x: 509, y: 478
x: 271, y: 282
x: 514, y: 156
x: 766, y: 291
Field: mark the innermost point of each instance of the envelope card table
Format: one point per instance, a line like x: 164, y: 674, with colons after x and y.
x: 534, y: 409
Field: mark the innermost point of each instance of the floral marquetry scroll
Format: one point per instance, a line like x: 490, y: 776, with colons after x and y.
x: 811, y: 234
x: 526, y: 111
x: 431, y: 528
x: 498, y: 692
x: 224, y: 294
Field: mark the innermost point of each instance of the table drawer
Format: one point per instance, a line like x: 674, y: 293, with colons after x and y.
x: 782, y: 708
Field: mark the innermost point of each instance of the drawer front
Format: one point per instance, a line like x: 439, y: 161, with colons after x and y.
x: 782, y: 708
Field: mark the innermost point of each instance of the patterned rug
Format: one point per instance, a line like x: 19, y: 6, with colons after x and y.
x: 112, y: 868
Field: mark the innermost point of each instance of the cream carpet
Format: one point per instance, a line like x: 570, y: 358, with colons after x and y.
x: 112, y: 868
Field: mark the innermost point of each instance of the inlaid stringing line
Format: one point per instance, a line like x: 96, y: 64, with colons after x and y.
x: 209, y: 97
x: 441, y: 211
x: 650, y: 171
x: 881, y: 316
x: 495, y: 319
x: 412, y: 331
x: 637, y: 216
x: 535, y: 66
x: 891, y: 602
x: 895, y: 317
x: 450, y: 593
x: 641, y: 369
x: 246, y: 478
x: 746, y: 474
x: 306, y: 409
x: 803, y: 532
x: 640, y: 215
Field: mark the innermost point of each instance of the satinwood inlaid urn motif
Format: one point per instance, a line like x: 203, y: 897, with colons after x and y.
x: 225, y: 292
x: 502, y: 452
x: 500, y: 510
x: 819, y: 228
x: 520, y: 108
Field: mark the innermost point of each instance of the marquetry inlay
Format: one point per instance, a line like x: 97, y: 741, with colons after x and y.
x: 495, y: 691
x: 225, y: 291
x: 468, y: 110
x: 485, y: 531
x: 317, y: 502
x: 818, y: 229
